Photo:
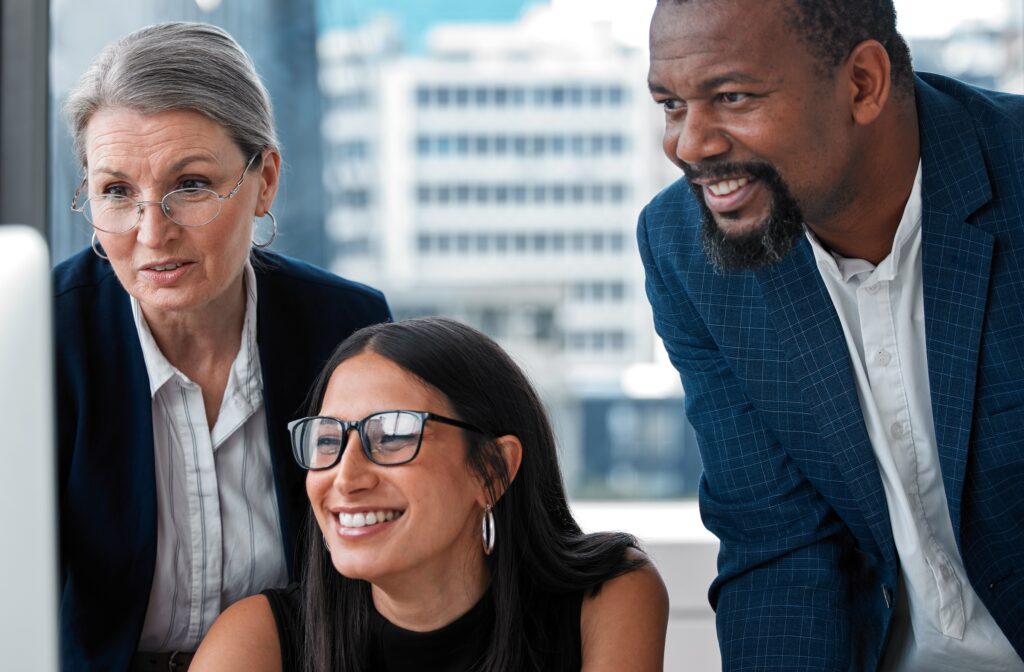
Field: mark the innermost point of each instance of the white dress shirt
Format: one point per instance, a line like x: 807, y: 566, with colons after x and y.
x: 940, y: 623
x: 218, y: 534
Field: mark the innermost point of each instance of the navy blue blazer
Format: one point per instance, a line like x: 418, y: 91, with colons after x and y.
x: 808, y: 567
x: 105, y: 434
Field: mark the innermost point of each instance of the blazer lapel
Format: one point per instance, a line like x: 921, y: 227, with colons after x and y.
x: 956, y: 260
x: 800, y: 308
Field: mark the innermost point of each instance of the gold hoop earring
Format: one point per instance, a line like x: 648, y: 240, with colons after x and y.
x: 273, y: 232
x: 96, y: 249
x: 489, y: 536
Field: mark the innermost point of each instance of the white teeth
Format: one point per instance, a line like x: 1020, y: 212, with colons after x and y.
x: 726, y: 187
x: 365, y: 519
x: 168, y: 267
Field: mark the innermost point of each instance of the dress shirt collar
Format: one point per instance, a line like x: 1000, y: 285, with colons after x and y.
x: 845, y: 269
x: 160, y: 371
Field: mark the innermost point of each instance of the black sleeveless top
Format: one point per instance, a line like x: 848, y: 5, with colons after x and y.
x: 457, y: 647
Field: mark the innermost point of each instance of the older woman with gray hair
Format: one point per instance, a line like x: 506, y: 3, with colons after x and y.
x: 183, y: 349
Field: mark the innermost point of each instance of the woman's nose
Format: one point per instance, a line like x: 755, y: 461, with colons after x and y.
x: 155, y: 228
x: 354, y: 472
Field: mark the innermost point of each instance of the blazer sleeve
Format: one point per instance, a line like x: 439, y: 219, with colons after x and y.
x: 780, y: 597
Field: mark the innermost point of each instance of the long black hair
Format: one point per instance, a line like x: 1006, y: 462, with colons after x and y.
x: 541, y: 554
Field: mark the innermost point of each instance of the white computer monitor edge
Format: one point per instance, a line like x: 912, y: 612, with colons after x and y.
x: 28, y: 510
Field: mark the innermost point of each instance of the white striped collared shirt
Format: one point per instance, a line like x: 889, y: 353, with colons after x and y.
x: 218, y: 534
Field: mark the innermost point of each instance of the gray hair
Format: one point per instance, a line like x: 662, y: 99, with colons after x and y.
x: 177, y: 66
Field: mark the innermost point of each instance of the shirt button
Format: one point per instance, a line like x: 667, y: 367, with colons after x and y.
x: 898, y: 430
x: 883, y: 358
x: 873, y: 288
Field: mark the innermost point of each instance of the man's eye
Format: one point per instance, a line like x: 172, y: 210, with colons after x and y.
x: 672, y: 105
x: 733, y: 96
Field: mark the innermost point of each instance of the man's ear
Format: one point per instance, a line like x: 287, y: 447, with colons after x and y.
x: 868, y: 79
x: 512, y: 452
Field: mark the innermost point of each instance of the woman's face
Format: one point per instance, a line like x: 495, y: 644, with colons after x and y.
x: 167, y: 267
x: 434, y: 502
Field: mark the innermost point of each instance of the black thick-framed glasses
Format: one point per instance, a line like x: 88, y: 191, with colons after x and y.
x: 388, y: 438
x: 112, y: 213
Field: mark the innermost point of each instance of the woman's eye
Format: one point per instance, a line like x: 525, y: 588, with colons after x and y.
x: 193, y: 183
x: 391, y: 442
x: 116, y: 190
x: 328, y: 445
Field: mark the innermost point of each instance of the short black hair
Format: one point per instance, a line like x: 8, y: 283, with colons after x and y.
x: 832, y: 28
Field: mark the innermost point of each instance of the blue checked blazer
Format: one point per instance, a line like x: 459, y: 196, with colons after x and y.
x: 807, y: 568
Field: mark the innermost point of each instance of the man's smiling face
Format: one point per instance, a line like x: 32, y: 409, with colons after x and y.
x: 763, y: 137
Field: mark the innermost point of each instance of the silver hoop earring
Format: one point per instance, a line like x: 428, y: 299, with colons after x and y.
x: 273, y: 232
x: 96, y: 249
x: 489, y: 536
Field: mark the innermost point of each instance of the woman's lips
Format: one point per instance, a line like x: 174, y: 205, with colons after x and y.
x: 348, y: 528
x: 167, y: 273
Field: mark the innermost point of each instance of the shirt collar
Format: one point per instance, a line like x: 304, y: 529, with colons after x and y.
x: 160, y: 371
x: 845, y: 269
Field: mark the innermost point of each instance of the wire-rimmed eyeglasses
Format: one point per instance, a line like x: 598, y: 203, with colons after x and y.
x: 388, y: 438
x: 113, y: 213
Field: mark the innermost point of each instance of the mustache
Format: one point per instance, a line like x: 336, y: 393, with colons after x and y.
x: 718, y: 171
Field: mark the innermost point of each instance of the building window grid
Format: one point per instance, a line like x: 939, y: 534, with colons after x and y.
x: 534, y: 243
x: 521, y: 194
x: 598, y: 291
x: 348, y: 150
x: 552, y: 95
x: 597, y: 340
x: 520, y: 146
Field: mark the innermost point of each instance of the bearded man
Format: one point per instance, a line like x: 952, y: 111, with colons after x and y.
x: 839, y: 279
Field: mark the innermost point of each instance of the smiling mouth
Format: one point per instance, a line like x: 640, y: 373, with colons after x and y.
x: 368, y: 518
x: 166, y: 267
x: 727, y: 187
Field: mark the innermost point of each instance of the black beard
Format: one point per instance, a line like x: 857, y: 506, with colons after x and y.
x: 769, y: 241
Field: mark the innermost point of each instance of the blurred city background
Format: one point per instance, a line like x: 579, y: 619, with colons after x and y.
x: 487, y: 161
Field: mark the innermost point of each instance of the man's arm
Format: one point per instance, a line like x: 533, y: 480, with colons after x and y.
x: 780, y: 597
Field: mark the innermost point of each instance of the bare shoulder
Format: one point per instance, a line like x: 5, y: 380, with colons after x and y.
x: 243, y: 638
x: 623, y: 626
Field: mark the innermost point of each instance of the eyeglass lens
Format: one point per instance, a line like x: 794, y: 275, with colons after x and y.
x: 387, y: 438
x: 187, y: 207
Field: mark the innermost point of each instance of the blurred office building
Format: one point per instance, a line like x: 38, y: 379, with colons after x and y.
x: 989, y: 53
x: 495, y: 175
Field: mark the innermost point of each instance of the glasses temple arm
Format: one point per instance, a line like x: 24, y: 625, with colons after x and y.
x: 78, y: 192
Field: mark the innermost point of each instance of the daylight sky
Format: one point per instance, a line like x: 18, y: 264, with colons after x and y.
x: 916, y: 18
x: 630, y: 18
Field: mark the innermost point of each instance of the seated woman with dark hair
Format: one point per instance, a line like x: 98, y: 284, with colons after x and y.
x: 441, y: 538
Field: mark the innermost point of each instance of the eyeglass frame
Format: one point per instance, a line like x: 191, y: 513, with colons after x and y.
x: 348, y: 425
x: 141, y: 205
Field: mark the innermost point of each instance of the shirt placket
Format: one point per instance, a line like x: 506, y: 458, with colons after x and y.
x: 882, y: 362
x: 204, y: 511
